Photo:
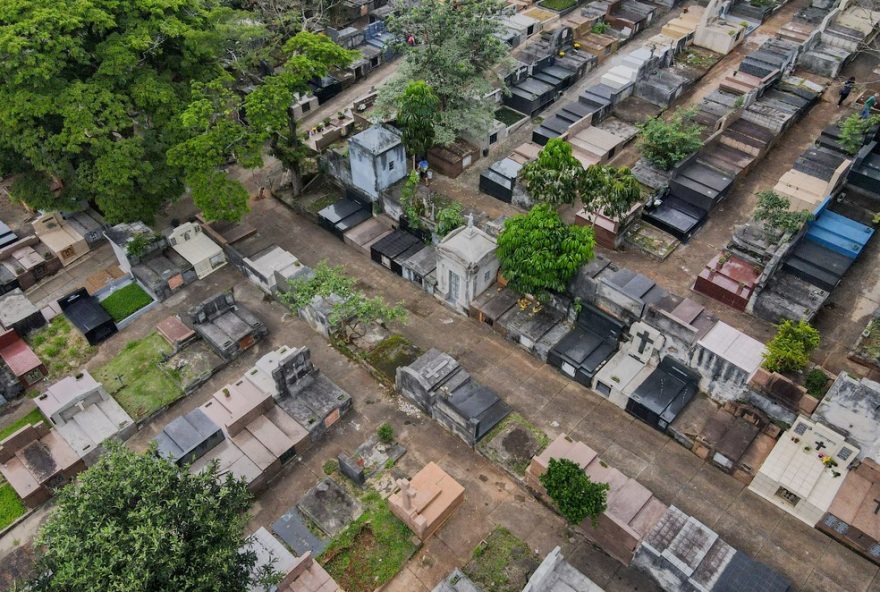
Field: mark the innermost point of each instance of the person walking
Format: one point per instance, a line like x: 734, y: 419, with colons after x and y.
x: 846, y: 89
x: 869, y: 104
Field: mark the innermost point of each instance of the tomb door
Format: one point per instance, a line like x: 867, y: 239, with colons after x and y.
x: 454, y: 286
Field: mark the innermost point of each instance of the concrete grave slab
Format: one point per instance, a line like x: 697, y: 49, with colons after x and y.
x: 329, y: 507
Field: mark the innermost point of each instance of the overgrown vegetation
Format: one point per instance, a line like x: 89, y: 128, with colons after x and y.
x: 140, y: 244
x: 126, y: 301
x: 352, y: 311
x: 665, y: 143
x: 371, y: 550
x: 385, y: 433
x: 513, y: 443
x: 11, y: 506
x: 790, y: 348
x: 508, y: 116
x: 540, y: 253
x: 773, y: 210
x: 413, y: 208
x: 576, y: 496
x: 448, y: 219
x: 557, y: 5
x: 61, y: 348
x: 501, y: 563
x: 417, y: 112
x: 816, y: 383
x: 34, y: 416
x: 854, y: 129
x: 599, y: 27
x: 138, y: 379
x: 137, y: 521
x: 390, y: 354
x: 556, y: 176
x: 611, y: 190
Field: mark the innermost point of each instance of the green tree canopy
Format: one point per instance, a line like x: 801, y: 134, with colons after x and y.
x: 556, y: 176
x: 92, y: 93
x: 417, y: 112
x: 577, y: 497
x: 610, y: 190
x: 138, y: 522
x: 538, y: 252
x: 853, y: 130
x: 664, y: 143
x: 226, y: 126
x: 457, y: 53
x: 790, y: 348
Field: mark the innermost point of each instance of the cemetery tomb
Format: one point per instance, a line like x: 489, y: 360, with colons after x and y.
x: 728, y: 279
x: 187, y: 438
x: 685, y: 24
x: 7, y: 237
x: 201, y: 252
x: 865, y: 173
x: 369, y: 459
x: 299, y: 573
x: 273, y: 269
x: 419, y: 268
x: 17, y: 312
x: 377, y: 159
x: 88, y: 316
x: 630, y: 366
x: 525, y: 25
x: 596, y: 142
x: 663, y: 394
x: 530, y: 96
x: 619, y: 77
x: 20, y: 359
x: 824, y: 164
x: 852, y: 406
x: 25, y: 262
x: 739, y: 83
x: 804, y: 191
x: 36, y: 461
x: 364, y: 235
x: 575, y: 112
x: 774, y: 54
x: 89, y: 224
x: 489, y: 306
x: 678, y: 217
x: 607, y: 232
x: 747, y: 137
x: 260, y: 436
x: 325, y: 88
x: 727, y: 158
x: 438, y: 385
x: 555, y: 574
x: 395, y: 248
x: 683, y: 322
x: 632, y: 510
x: 60, y: 237
x: 852, y: 517
x: 701, y: 184
x: 84, y: 414
x: 425, y: 502
x: 175, y: 332
x: 802, y: 474
x: 453, y: 159
x: 786, y: 296
x: 344, y: 215
x: 660, y: 87
x: 726, y: 358
x: 314, y: 401
x: 650, y: 176
x: 500, y: 179
x: 527, y: 326
x: 625, y: 293
x: 329, y: 507
x: 830, y: 139
x: 227, y: 327
x: 300, y: 537
x: 584, y: 349
x: 466, y: 265
x: 771, y: 114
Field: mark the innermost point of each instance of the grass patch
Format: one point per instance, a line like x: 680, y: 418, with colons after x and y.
x: 870, y: 345
x: 502, y: 563
x: 817, y: 383
x: 61, y: 348
x: 390, y: 354
x: 126, y: 301
x: 699, y: 59
x: 138, y: 380
x: 322, y: 202
x: 34, y: 416
x: 11, y: 507
x: 508, y: 116
x: 557, y: 5
x: 371, y: 550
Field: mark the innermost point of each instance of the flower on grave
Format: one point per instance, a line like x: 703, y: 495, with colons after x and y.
x: 562, y: 54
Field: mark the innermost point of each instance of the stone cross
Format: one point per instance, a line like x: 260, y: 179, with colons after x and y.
x: 645, y: 340
x: 406, y: 494
x: 820, y: 444
x: 470, y: 220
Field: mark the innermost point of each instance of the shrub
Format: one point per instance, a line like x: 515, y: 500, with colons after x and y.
x: 816, y: 382
x: 790, y: 348
x: 853, y: 130
x: 126, y: 301
x: 577, y: 498
x: 773, y: 210
x: 330, y: 466
x: 448, y: 219
x: 664, y: 143
x: 385, y: 433
x: 599, y: 27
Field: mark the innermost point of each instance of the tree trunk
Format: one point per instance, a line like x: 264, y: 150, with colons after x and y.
x: 289, y: 155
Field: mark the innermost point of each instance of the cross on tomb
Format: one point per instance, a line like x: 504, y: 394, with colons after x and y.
x: 645, y: 340
x: 820, y: 444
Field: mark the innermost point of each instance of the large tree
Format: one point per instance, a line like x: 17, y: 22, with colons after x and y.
x: 454, y: 49
x: 92, y: 93
x: 539, y: 252
x: 556, y: 176
x: 138, y: 522
x: 416, y: 115
x: 226, y: 126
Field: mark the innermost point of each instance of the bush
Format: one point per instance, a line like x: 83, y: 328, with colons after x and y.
x: 790, y: 348
x: 448, y: 219
x: 386, y: 433
x: 816, y: 382
x: 664, y: 143
x: 577, y: 498
x: 126, y: 301
x: 330, y: 466
x: 853, y: 130
x: 773, y: 210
